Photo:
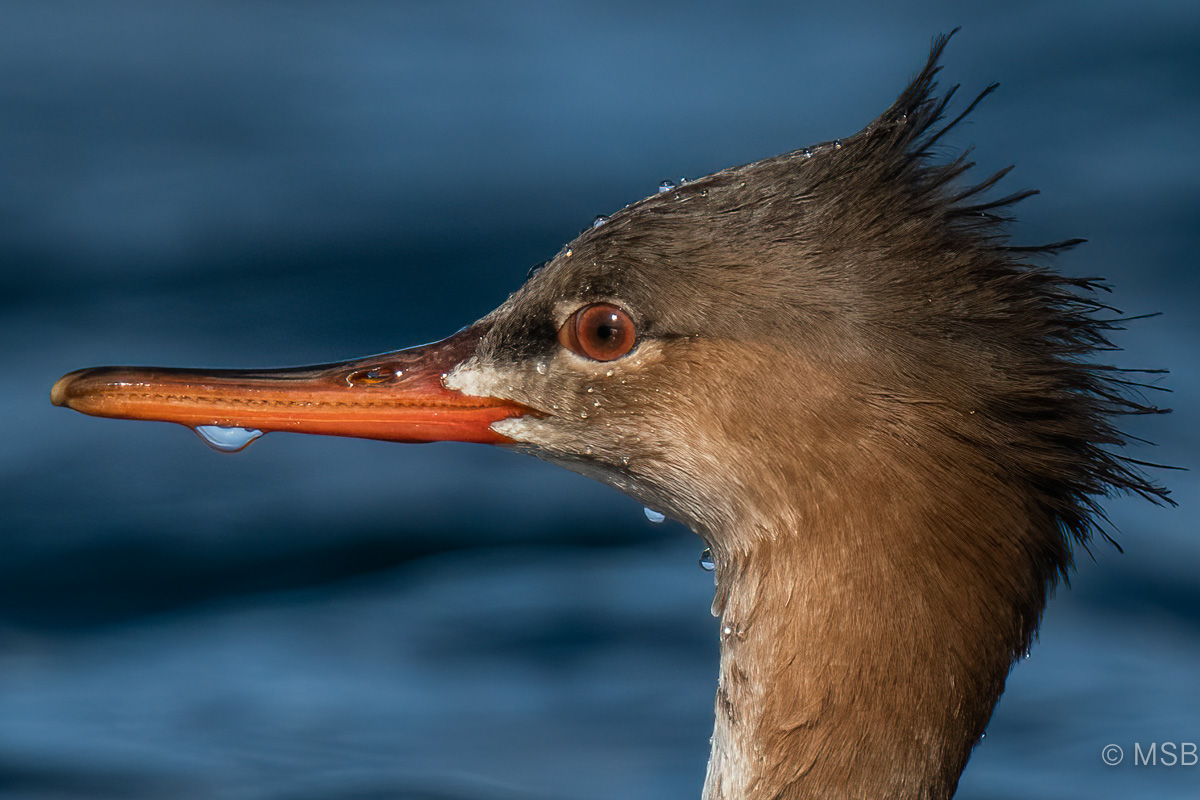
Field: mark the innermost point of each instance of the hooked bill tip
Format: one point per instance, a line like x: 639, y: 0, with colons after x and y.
x: 58, y: 392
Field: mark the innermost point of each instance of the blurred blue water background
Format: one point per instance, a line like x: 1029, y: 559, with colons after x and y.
x: 270, y: 183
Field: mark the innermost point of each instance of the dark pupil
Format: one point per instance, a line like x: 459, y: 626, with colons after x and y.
x: 606, y: 332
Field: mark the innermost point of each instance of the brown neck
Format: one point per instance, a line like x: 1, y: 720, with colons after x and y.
x: 865, y: 642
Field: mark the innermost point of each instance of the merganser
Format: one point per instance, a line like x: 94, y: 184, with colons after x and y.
x: 883, y: 419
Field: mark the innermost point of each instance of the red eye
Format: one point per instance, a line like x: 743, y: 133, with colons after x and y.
x: 601, y: 332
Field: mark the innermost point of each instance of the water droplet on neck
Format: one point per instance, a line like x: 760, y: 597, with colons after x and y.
x: 654, y: 516
x: 666, y: 186
x: 707, y: 562
x: 598, y: 221
x: 226, y: 440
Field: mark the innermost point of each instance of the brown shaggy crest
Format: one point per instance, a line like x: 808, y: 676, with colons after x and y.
x: 1056, y: 421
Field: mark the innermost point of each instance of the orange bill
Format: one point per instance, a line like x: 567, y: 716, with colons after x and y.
x: 398, y: 397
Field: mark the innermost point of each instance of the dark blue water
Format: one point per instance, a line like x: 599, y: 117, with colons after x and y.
x: 268, y: 183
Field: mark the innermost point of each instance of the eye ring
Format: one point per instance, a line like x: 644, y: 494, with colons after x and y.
x: 599, y: 331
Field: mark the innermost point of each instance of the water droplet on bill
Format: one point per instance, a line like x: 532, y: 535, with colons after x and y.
x: 226, y: 440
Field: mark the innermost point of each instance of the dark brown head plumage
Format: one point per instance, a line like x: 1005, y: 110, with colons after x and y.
x: 871, y: 249
x: 886, y: 420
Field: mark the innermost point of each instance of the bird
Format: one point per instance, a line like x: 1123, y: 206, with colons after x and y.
x: 892, y: 427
